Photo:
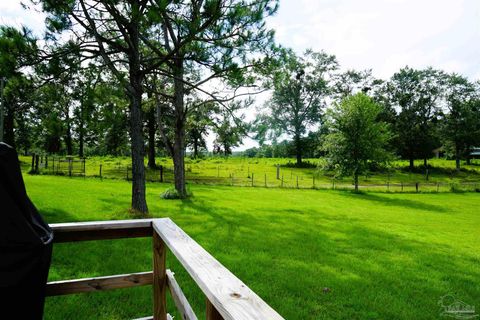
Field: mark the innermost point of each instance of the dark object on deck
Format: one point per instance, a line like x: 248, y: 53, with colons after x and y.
x: 25, y: 245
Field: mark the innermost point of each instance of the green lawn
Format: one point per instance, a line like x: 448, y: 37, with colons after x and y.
x: 382, y: 255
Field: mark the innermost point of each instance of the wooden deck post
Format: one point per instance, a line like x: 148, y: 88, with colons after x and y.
x: 212, y: 313
x: 159, y: 278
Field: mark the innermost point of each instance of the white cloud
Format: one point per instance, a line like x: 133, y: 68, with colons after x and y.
x: 385, y: 34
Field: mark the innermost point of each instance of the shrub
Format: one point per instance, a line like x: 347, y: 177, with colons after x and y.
x: 172, y: 194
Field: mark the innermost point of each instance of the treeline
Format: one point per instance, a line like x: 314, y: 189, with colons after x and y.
x: 144, y: 78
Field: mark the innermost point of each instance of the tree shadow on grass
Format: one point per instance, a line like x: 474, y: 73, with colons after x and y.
x: 395, y: 201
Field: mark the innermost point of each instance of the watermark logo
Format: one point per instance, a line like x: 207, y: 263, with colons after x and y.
x: 455, y: 308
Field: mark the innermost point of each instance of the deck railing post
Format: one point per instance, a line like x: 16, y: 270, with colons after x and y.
x: 212, y: 313
x: 159, y: 278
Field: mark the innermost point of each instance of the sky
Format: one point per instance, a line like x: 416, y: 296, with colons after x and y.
x: 382, y: 35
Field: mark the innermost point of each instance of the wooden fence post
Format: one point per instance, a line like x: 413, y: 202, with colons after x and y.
x: 159, y: 278
x: 161, y: 173
x: 278, y: 171
x: 297, y: 182
x: 401, y: 183
x: 212, y: 313
x: 416, y: 186
x: 70, y: 167
x: 101, y: 172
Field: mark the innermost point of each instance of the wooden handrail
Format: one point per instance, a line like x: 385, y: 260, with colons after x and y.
x: 101, y: 230
x: 228, y: 298
x: 56, y: 288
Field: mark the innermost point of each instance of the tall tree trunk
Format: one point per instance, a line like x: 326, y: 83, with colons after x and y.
x: 412, y: 164
x: 467, y: 155
x: 135, y: 91
x: 179, y: 143
x: 9, y: 136
x: 195, y: 147
x: 151, y: 139
x: 81, y: 129
x: 298, y: 149
x: 68, y: 135
x: 81, y: 138
x: 355, y: 179
x: 457, y: 158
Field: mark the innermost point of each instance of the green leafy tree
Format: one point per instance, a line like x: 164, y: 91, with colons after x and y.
x: 356, y: 136
x: 300, y: 86
x: 416, y: 95
x: 461, y: 122
x: 18, y: 49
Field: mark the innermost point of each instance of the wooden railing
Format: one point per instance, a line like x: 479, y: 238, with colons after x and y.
x: 227, y: 297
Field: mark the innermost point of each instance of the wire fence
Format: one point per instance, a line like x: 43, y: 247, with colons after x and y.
x: 276, y: 177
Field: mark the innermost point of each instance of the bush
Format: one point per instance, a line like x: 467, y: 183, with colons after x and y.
x: 304, y: 164
x: 172, y: 194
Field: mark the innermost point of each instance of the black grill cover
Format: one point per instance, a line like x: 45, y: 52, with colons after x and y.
x: 25, y: 245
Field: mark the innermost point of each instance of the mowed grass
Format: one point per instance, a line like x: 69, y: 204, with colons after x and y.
x: 381, y: 256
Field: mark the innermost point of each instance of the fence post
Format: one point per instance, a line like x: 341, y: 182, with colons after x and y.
x: 265, y: 180
x: 282, y: 182
x: 161, y: 173
x: 416, y: 186
x: 333, y: 183
x: 297, y: 182
x: 159, y: 278
x: 84, y: 169
x: 101, y: 172
x: 278, y: 171
x: 401, y: 183
x: 70, y: 167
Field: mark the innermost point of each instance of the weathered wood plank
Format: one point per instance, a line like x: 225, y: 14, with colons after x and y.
x: 179, y: 298
x: 169, y: 317
x: 230, y: 296
x: 57, y: 288
x: 101, y: 230
x: 159, y: 278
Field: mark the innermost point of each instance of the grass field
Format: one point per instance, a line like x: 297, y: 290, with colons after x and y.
x: 382, y: 255
x: 240, y: 171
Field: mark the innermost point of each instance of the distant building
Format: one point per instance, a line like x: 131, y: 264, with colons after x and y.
x: 475, y: 153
